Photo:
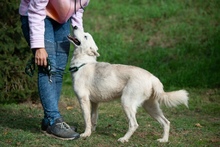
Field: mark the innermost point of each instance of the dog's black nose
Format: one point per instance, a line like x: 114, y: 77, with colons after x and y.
x: 75, y: 27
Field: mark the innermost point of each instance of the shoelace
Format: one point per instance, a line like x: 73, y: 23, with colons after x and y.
x: 64, y: 125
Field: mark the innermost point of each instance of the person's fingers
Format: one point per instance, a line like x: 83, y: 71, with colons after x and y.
x: 41, y: 61
x: 41, y: 57
x: 45, y: 62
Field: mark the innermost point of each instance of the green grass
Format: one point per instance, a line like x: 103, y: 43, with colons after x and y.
x: 178, y: 38
x: 196, y: 126
x: 178, y: 41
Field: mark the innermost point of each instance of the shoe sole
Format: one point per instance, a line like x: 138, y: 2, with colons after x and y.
x: 57, y: 137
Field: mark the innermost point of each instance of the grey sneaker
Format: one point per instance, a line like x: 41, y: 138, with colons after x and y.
x: 44, y: 126
x: 61, y: 130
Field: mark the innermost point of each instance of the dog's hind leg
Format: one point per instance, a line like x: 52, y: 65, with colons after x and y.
x: 153, y: 108
x: 94, y: 115
x: 130, y: 111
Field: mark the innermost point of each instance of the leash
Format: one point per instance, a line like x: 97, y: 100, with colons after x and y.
x: 30, y: 68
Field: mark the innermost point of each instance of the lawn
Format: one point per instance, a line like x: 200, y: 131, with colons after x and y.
x: 197, y: 126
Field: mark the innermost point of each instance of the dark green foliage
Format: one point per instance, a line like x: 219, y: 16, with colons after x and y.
x: 15, y: 86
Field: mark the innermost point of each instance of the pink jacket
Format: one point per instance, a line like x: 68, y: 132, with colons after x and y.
x: 59, y: 10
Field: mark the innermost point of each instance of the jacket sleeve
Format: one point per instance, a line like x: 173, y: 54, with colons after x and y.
x: 36, y: 16
x: 77, y: 18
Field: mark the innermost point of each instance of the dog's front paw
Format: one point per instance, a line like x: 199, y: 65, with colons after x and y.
x: 123, y: 140
x: 162, y: 140
x: 84, y: 135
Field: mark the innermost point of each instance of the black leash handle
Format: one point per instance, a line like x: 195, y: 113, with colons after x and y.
x: 47, y: 69
x: 30, y: 67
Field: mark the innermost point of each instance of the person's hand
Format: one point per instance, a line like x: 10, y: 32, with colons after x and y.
x: 41, y: 57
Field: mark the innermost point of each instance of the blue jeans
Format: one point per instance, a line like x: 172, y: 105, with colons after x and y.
x: 57, y: 47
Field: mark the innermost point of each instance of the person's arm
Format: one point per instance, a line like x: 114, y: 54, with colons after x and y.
x: 77, y: 18
x: 36, y: 16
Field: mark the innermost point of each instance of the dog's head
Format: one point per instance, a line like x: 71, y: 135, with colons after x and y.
x: 83, y: 42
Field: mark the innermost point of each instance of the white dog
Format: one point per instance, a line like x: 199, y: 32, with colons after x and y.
x: 96, y: 82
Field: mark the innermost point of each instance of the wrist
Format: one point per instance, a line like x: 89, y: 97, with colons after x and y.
x: 38, y: 49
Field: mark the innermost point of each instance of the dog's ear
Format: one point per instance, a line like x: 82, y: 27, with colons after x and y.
x: 92, y: 52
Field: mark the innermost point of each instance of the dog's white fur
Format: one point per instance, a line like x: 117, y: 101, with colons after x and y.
x: 101, y: 82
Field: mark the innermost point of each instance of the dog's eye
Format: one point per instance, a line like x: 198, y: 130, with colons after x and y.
x: 85, y: 37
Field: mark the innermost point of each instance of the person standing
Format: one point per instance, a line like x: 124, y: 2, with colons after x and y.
x: 45, y: 25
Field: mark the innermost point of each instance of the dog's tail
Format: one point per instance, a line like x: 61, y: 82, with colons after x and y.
x: 169, y: 99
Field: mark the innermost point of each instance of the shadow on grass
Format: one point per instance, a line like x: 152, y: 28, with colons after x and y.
x: 25, y: 118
